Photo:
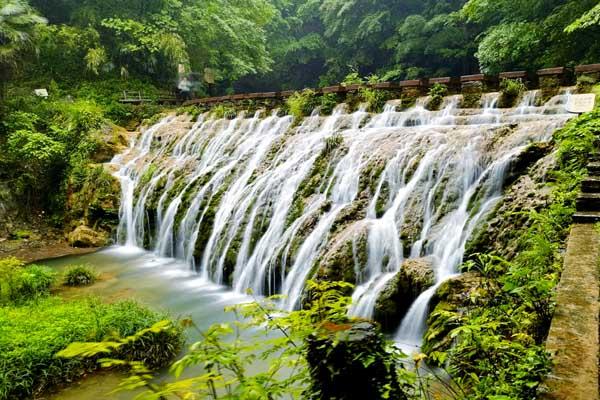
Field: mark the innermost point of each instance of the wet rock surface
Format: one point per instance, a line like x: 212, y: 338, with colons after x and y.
x: 529, y: 192
x: 452, y: 295
x: 415, y: 276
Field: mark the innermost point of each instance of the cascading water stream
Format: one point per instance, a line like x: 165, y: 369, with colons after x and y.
x: 258, y: 203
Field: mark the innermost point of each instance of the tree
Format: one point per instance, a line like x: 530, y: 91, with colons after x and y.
x: 17, y: 25
x: 587, y: 20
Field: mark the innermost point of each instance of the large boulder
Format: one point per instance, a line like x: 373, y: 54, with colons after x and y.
x: 415, y: 276
x: 84, y: 236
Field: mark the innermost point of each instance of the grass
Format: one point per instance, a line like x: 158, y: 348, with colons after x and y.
x: 19, y: 283
x: 32, y: 333
x: 34, y: 327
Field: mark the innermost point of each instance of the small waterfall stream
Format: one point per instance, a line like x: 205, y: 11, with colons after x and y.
x: 258, y: 203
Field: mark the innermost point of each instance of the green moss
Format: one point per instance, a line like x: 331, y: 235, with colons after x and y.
x: 472, y: 93
x: 437, y: 92
x: 510, y: 92
x: 147, y: 175
x: 209, y: 209
x: 550, y: 87
x: 95, y: 197
x: 314, y: 181
x: 382, y: 201
x: 20, y: 234
x: 409, y: 97
x: 585, y: 83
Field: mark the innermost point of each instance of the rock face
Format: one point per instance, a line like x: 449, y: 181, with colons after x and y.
x: 415, y: 276
x: 528, y: 192
x: 84, y: 236
x: 344, y: 255
x: 350, y: 362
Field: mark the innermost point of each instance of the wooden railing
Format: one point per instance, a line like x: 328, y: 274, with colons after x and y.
x: 455, y: 84
x: 138, y: 97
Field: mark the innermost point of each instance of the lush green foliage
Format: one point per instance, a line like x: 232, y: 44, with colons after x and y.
x: 286, y: 44
x: 301, y: 104
x: 32, y: 334
x: 231, y: 352
x: 494, y: 346
x: 19, y: 283
x: 79, y: 275
x: 17, y: 25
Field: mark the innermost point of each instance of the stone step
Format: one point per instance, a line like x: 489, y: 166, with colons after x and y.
x: 588, y: 202
x: 587, y: 217
x: 594, y: 168
x: 591, y: 184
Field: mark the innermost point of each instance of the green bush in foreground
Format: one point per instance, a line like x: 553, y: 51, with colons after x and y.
x: 32, y: 334
x: 79, y: 275
x: 19, y: 283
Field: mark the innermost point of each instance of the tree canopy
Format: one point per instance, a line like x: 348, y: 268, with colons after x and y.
x: 291, y: 44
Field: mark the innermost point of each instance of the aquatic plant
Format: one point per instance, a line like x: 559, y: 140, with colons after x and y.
x: 79, y: 275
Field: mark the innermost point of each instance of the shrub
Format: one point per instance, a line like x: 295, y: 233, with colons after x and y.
x: 19, y: 283
x: 302, y: 104
x: 328, y: 102
x: 223, y: 111
x: 31, y: 335
x: 437, y: 92
x: 79, y: 275
x: 36, y: 280
x: 374, y: 97
x: 585, y: 83
x: 511, y: 90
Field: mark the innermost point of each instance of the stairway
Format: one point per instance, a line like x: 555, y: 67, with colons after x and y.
x: 588, y: 202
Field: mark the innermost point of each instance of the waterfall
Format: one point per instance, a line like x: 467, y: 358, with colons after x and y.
x: 264, y: 204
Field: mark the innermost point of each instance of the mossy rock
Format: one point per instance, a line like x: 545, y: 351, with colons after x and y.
x: 472, y: 93
x: 550, y: 87
x: 415, y: 276
x: 110, y: 140
x: 451, y: 296
x: 345, y: 256
x: 84, y: 236
x: 521, y: 164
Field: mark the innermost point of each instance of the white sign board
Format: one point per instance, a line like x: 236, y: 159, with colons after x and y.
x: 41, y: 93
x: 581, y: 103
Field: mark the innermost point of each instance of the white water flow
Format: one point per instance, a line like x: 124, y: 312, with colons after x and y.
x: 264, y: 204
